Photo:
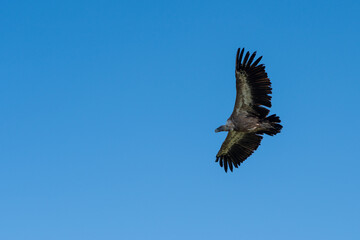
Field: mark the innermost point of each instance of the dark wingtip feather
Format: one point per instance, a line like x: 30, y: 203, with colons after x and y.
x: 230, y: 166
x: 245, y: 59
x: 237, y: 58
x: 256, y: 61
x: 251, y: 59
x: 240, y: 58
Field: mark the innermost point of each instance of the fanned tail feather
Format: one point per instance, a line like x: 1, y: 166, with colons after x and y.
x: 275, y: 125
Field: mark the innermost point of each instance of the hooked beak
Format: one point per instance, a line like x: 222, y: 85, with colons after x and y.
x: 219, y: 129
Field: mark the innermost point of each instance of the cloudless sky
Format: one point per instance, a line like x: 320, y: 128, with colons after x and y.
x: 108, y: 111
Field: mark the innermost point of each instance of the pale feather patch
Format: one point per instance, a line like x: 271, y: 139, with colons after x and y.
x: 232, y: 138
x: 243, y: 97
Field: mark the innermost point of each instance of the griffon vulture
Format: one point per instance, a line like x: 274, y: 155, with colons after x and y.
x: 249, y: 120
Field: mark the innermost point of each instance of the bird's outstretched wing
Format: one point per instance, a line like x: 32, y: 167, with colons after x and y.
x: 236, y: 148
x: 253, y: 87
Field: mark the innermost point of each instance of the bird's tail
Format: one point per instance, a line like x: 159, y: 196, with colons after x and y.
x: 273, y: 125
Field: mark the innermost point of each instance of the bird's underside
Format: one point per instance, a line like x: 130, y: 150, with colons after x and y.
x: 249, y: 120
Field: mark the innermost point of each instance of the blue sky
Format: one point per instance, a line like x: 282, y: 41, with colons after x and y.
x: 108, y: 111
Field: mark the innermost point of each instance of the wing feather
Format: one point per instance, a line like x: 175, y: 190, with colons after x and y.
x: 253, y: 87
x: 237, y: 147
x: 239, y: 57
x: 250, y: 60
x: 256, y: 61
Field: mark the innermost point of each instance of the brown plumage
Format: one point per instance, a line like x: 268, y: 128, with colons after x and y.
x: 249, y: 119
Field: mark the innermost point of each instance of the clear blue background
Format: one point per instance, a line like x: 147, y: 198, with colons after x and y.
x: 108, y: 111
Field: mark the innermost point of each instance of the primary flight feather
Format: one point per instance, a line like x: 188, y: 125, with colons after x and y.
x: 249, y: 120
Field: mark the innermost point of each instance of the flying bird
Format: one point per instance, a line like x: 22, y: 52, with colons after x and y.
x: 249, y: 119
